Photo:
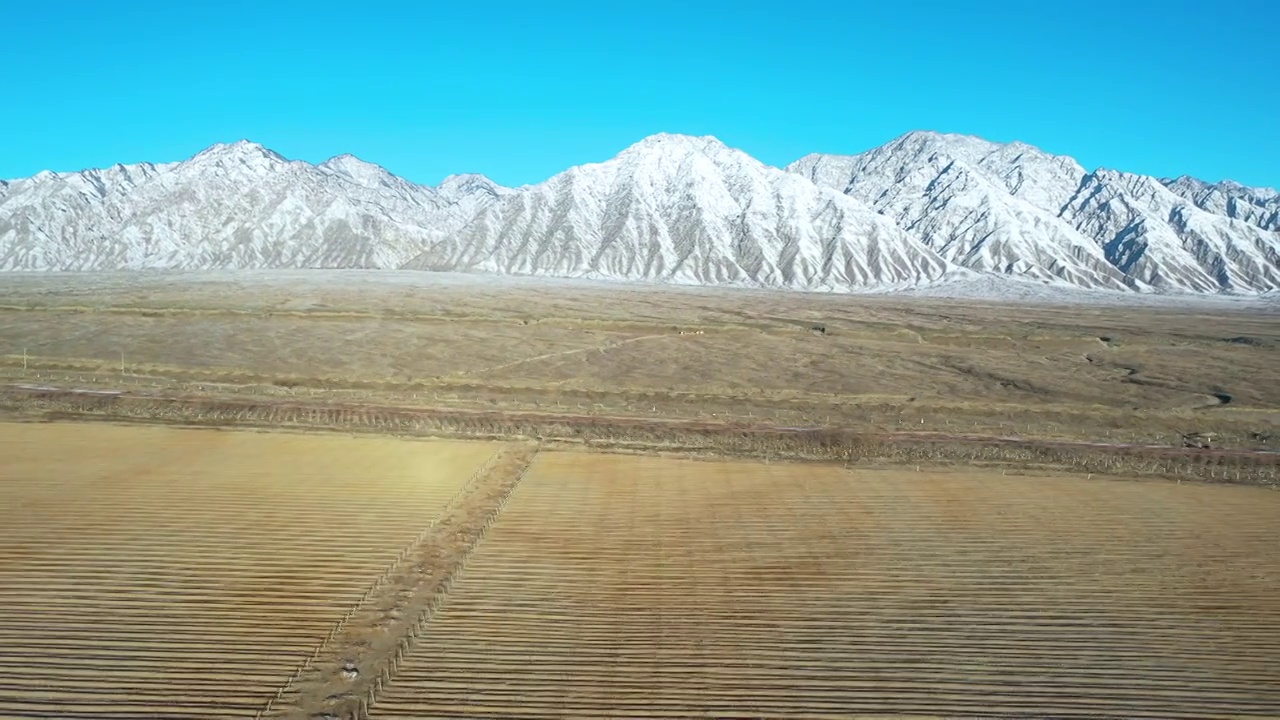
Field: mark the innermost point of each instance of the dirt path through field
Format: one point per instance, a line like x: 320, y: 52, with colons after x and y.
x: 639, y: 587
x: 347, y: 672
x: 152, y: 572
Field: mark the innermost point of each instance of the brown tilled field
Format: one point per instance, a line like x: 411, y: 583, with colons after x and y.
x: 657, y: 502
x: 175, y: 573
x: 152, y: 572
x: 645, y: 587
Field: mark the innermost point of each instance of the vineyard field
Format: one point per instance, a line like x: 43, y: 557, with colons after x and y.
x: 165, y: 572
x: 617, y: 586
x: 168, y: 573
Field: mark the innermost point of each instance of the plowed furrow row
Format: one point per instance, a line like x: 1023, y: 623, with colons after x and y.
x: 346, y: 674
x: 660, y: 588
x: 173, y: 573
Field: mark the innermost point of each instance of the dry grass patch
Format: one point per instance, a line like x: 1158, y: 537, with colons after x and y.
x: 1135, y: 373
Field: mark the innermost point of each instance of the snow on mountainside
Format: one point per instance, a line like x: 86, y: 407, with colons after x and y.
x: 367, y: 174
x: 923, y: 209
x: 470, y: 193
x: 235, y: 205
x: 688, y: 210
x: 1258, y: 206
x: 980, y: 204
x: 1158, y: 238
x: 1015, y: 210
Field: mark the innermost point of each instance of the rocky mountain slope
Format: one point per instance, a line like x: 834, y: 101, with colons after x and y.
x: 690, y: 210
x: 231, y: 206
x: 1257, y: 206
x: 924, y: 208
x: 1013, y: 209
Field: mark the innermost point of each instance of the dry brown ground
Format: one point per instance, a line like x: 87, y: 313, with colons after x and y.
x: 172, y: 573
x: 161, y: 573
x: 1133, y: 373
x: 643, y: 587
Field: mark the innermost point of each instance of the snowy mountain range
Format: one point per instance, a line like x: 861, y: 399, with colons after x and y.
x: 923, y: 209
x: 688, y: 210
x: 231, y: 206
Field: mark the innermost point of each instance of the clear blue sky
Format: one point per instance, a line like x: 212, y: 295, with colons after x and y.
x: 520, y: 91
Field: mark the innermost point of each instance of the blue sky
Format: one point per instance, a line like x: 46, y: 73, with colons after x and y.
x: 520, y: 91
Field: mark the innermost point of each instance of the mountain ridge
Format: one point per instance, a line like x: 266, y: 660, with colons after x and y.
x: 691, y: 210
x: 921, y: 209
x: 1013, y: 209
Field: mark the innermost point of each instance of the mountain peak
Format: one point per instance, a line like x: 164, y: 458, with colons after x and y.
x: 927, y: 135
x: 470, y: 182
x: 241, y: 151
x: 458, y: 178
x: 952, y: 143
x: 358, y: 171
x: 238, y: 147
x: 675, y: 141
x: 1188, y: 182
x: 671, y: 207
x: 1233, y: 186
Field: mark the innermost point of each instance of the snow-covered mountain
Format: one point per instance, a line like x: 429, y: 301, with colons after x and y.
x: 980, y: 204
x: 924, y: 208
x: 236, y: 206
x: 1258, y: 206
x: 1015, y: 210
x: 690, y: 210
x: 1157, y: 238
